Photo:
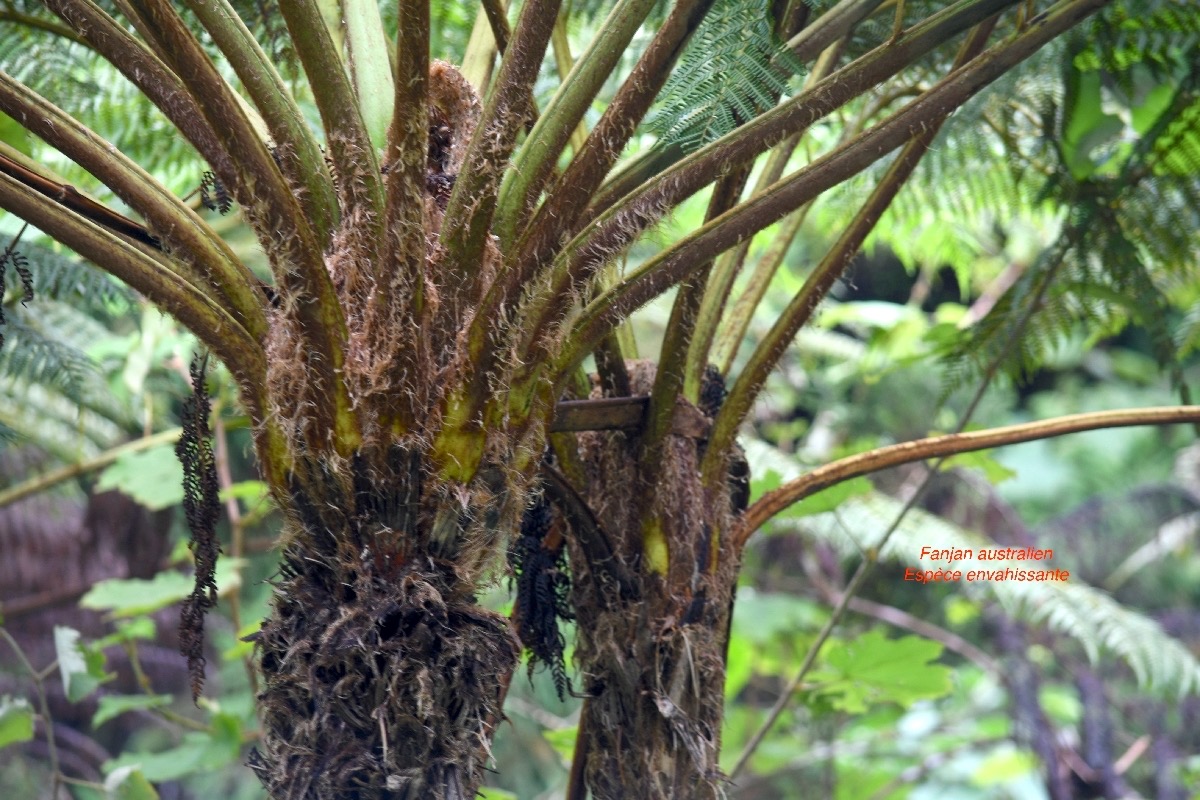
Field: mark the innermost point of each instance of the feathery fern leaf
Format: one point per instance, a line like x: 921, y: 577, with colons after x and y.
x: 1076, y: 145
x: 56, y: 309
x: 57, y: 276
x: 32, y: 356
x: 80, y: 82
x: 732, y: 71
x: 265, y: 21
x: 1129, y: 242
x: 1159, y: 33
x: 63, y: 427
x: 1160, y: 662
x: 8, y: 436
x: 1073, y: 608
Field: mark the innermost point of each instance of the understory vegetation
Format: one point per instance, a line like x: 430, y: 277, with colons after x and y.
x: 412, y: 399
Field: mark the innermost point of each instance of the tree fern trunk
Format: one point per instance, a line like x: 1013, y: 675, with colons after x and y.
x: 382, y: 677
x: 655, y: 680
x: 653, y: 656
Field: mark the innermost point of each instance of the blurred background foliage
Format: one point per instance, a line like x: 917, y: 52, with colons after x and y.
x: 1083, y: 164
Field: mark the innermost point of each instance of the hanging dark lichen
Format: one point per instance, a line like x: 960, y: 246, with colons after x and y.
x: 214, y: 195
x: 539, y: 564
x: 21, y: 265
x: 712, y: 397
x: 202, y: 508
x: 712, y: 391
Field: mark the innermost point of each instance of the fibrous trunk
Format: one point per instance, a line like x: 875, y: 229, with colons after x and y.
x: 652, y: 653
x: 382, y: 677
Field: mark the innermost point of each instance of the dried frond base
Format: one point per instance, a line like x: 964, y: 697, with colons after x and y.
x: 378, y: 688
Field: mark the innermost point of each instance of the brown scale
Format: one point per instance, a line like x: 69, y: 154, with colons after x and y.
x: 438, y: 180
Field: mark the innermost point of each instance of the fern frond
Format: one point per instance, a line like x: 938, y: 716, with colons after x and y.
x: 61, y: 426
x: 31, y: 356
x: 1129, y: 245
x: 14, y: 259
x: 878, y: 28
x: 1160, y: 662
x: 265, y: 21
x: 61, y: 277
x: 79, y: 81
x: 975, y: 190
x: 1073, y: 608
x: 732, y: 71
x: 49, y: 65
x: 1032, y: 161
x: 44, y: 366
x: 1152, y: 32
x: 1187, y: 337
x: 1021, y: 330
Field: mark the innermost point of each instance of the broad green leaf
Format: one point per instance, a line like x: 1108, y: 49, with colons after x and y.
x: 14, y: 134
x: 158, y: 337
x: 491, y: 793
x: 960, y: 610
x: 128, y: 597
x: 70, y: 657
x: 226, y: 728
x: 16, y: 721
x: 768, y: 480
x: 1088, y: 128
x: 859, y: 779
x: 829, y: 499
x: 739, y: 664
x: 135, y: 596
x: 242, y: 648
x: 81, y: 667
x: 1152, y: 106
x: 1061, y: 705
x: 869, y: 313
x: 114, y: 705
x: 129, y: 631
x: 198, y: 752
x: 1004, y: 765
x: 983, y: 462
x: 250, y: 491
x: 154, y: 477
x: 759, y: 617
x: 563, y: 741
x: 137, y: 628
x: 876, y: 669
x: 128, y: 783
x: 773, y: 468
